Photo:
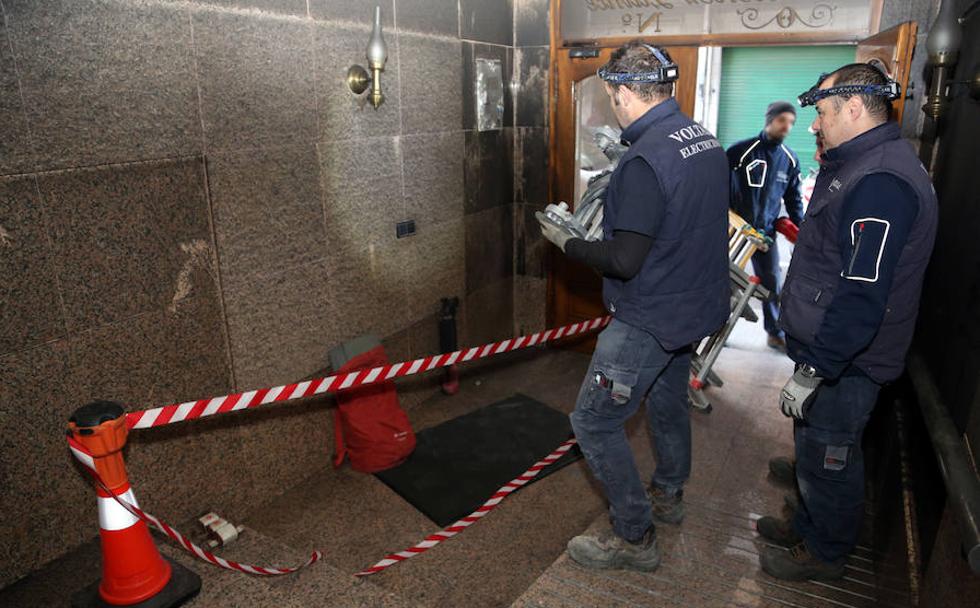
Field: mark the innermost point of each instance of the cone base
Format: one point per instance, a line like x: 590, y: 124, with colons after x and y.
x: 184, y: 584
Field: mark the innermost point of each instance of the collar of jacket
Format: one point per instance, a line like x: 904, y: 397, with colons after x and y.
x: 863, y: 143
x: 766, y: 141
x: 652, y: 117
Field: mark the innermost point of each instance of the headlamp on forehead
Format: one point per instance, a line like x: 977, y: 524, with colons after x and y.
x: 890, y: 91
x: 667, y: 71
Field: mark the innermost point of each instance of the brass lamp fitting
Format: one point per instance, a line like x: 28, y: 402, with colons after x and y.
x: 358, y: 78
x: 943, y: 46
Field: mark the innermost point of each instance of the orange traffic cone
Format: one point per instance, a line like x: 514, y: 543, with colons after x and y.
x: 133, y: 571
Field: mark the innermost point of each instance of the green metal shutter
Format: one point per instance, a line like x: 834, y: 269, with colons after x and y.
x: 752, y: 77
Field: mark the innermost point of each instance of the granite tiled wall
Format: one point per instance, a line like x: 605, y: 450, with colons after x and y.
x: 487, y: 32
x: 532, y: 57
x: 191, y: 203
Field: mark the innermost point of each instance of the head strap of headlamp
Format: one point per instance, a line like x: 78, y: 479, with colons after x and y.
x: 667, y: 71
x: 891, y: 91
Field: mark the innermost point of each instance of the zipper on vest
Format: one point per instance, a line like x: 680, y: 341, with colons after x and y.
x: 857, y: 247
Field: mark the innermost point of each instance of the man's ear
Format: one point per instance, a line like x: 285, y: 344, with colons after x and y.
x: 626, y: 96
x: 855, y: 107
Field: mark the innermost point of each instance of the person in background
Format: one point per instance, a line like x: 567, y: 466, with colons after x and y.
x: 765, y: 175
x: 849, y: 310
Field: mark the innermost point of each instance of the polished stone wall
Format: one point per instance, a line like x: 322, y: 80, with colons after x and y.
x: 192, y: 203
x: 532, y: 60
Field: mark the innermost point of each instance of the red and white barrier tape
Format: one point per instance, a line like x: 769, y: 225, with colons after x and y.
x: 83, y: 456
x: 190, y: 410
x: 434, y: 539
x: 218, y: 405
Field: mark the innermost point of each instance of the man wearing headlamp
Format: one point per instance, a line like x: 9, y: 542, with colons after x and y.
x: 848, y: 309
x: 664, y: 262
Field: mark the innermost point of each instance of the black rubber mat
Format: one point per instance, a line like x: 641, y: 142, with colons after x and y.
x: 460, y: 463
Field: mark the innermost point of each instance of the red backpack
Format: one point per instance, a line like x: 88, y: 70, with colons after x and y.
x: 369, y: 425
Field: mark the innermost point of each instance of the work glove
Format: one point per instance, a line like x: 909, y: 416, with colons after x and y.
x: 799, y: 392
x: 551, y: 232
x: 787, y: 228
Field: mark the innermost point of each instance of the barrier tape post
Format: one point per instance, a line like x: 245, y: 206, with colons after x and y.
x: 97, y: 434
x: 133, y: 572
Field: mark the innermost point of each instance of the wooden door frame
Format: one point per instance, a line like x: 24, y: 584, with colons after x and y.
x: 565, y: 72
x: 558, y: 46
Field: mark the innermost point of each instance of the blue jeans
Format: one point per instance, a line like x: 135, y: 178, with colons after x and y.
x: 830, y: 466
x: 629, y: 363
x: 766, y: 267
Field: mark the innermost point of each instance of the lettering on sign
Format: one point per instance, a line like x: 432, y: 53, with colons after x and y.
x: 591, y: 19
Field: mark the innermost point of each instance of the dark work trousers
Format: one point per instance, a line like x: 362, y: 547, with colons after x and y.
x: 830, y: 465
x: 766, y: 267
x: 627, y: 366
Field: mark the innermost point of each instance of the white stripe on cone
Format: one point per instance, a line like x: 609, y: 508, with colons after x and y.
x: 114, y: 516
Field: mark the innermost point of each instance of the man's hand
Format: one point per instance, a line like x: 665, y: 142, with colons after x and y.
x: 798, y: 393
x: 551, y: 232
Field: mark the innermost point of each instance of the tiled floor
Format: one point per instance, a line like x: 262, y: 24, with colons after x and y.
x: 515, y: 555
x: 712, y: 558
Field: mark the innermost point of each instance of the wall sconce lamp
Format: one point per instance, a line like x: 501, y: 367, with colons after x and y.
x: 377, y: 54
x: 943, y: 46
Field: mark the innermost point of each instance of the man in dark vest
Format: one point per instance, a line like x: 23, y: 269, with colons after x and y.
x: 848, y: 308
x: 766, y: 176
x: 664, y: 261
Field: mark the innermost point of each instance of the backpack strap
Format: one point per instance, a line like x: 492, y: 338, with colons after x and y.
x: 340, y: 448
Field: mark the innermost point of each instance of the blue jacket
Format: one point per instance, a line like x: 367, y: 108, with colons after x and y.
x: 765, y: 174
x: 852, y: 292
x: 681, y: 292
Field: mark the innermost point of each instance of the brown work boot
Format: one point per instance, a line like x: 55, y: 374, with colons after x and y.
x: 798, y: 564
x: 666, y: 509
x: 782, y: 470
x: 778, y: 531
x: 606, y: 550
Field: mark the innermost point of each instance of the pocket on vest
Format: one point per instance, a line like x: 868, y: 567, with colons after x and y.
x: 803, y: 304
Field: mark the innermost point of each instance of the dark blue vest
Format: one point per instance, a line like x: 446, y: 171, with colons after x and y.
x: 681, y: 293
x: 817, y: 260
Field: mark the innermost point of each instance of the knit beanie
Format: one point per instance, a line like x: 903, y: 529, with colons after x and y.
x: 778, y: 107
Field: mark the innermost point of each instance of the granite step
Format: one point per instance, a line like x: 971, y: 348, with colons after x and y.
x: 320, y: 585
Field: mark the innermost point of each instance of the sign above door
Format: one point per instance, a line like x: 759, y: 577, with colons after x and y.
x: 590, y: 20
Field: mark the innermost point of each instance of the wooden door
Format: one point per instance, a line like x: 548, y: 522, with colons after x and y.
x: 892, y: 51
x: 574, y: 290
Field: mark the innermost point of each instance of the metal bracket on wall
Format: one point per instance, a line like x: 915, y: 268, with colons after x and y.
x: 583, y: 53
